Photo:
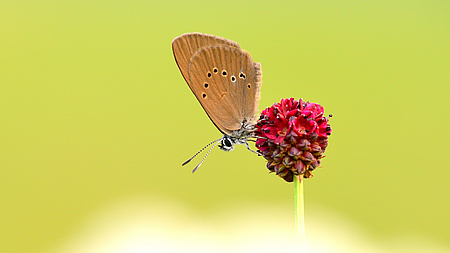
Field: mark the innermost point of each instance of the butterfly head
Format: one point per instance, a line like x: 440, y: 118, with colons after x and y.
x: 226, y: 143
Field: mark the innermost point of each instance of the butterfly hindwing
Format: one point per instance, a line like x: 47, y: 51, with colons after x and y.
x: 227, y: 83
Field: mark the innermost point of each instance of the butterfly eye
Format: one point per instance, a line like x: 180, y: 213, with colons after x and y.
x: 215, y: 70
x: 248, y: 86
x: 204, y: 95
x: 233, y: 79
x: 224, y: 73
x: 227, y: 142
x: 242, y: 75
x: 206, y: 85
x: 209, y: 74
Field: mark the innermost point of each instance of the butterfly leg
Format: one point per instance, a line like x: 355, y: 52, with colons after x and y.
x: 248, y: 147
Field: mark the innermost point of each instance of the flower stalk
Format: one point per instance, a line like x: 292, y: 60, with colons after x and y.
x: 299, y: 210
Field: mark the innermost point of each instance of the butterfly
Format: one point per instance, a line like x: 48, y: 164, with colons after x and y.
x: 226, y: 82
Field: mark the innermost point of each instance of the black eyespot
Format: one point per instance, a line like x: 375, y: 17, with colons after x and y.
x: 206, y: 85
x: 224, y: 73
x: 242, y: 75
x: 233, y: 78
x: 204, y: 95
x: 215, y: 70
x: 209, y: 74
x: 248, y: 86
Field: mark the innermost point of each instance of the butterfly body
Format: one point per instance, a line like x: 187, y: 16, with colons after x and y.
x: 225, y: 81
x: 239, y: 136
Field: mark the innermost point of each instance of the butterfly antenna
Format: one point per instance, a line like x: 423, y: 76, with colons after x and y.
x: 200, y: 151
x: 196, y: 167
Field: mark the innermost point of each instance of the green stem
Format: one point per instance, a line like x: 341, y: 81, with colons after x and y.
x: 299, y: 210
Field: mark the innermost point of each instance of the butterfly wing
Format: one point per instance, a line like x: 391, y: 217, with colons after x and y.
x: 227, y: 84
x: 186, y: 45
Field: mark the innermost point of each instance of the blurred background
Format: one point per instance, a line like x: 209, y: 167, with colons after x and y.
x: 96, y: 119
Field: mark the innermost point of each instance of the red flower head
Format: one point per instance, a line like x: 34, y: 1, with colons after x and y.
x: 292, y: 136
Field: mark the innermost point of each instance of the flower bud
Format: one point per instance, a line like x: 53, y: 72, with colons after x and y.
x: 299, y: 167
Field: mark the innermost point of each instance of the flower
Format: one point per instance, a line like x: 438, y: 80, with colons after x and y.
x: 292, y: 137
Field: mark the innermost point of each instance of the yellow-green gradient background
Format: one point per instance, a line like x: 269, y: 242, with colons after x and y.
x: 96, y: 119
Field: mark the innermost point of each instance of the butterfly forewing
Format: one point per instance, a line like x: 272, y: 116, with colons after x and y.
x: 227, y: 83
x: 186, y: 45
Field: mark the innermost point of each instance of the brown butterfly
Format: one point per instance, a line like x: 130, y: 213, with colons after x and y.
x: 225, y: 81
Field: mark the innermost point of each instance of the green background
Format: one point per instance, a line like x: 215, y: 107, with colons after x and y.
x: 95, y: 115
